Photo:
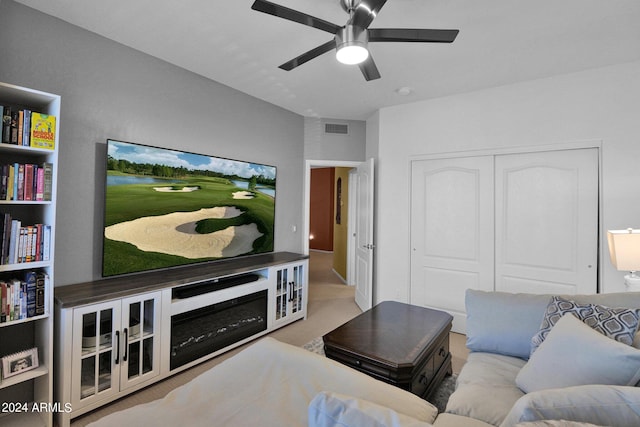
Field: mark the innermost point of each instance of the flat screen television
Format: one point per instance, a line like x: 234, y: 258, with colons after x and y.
x: 166, y: 208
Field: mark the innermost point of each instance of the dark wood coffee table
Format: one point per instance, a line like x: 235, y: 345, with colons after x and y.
x: 401, y: 344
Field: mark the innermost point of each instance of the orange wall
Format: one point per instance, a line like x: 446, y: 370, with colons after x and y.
x: 321, y: 209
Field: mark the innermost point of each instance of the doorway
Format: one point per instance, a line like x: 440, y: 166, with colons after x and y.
x: 321, y: 262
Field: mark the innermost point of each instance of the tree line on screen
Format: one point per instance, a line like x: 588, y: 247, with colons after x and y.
x: 164, y: 171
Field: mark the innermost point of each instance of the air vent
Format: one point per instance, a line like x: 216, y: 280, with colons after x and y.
x: 336, y: 128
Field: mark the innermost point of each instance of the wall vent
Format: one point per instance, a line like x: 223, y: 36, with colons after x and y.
x: 336, y: 128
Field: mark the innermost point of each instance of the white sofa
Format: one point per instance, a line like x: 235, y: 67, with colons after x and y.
x: 564, y: 375
x: 275, y: 384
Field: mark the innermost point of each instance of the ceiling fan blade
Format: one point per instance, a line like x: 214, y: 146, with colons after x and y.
x: 369, y: 69
x: 295, y: 16
x: 308, y: 56
x: 411, y: 35
x: 366, y: 11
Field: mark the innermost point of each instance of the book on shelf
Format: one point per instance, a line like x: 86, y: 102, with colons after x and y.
x: 23, y: 243
x: 22, y: 298
x: 28, y: 181
x: 43, y: 131
x: 21, y: 126
x: 5, y: 132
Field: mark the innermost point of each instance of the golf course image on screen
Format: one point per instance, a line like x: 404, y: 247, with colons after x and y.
x: 165, y: 208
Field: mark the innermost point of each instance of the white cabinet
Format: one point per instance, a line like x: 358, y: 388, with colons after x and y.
x: 119, y: 334
x: 290, y: 293
x: 115, y: 346
x: 32, y: 389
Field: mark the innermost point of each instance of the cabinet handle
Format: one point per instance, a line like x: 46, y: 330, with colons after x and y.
x: 126, y: 344
x: 117, y: 347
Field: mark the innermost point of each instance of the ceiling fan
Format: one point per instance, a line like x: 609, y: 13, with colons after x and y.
x: 351, y: 40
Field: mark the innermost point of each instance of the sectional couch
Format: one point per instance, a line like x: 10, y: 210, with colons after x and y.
x: 542, y: 357
x: 275, y: 384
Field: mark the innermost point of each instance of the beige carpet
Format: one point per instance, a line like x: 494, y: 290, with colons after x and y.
x: 331, y: 303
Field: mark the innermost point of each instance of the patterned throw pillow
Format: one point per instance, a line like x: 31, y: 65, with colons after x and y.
x: 620, y: 324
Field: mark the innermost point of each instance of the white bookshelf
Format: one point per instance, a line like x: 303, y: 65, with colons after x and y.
x: 21, y: 393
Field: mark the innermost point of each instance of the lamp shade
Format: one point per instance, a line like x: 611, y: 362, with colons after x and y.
x: 624, y: 249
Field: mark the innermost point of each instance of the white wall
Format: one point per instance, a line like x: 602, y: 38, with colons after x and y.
x: 319, y: 145
x: 601, y: 104
x: 111, y: 91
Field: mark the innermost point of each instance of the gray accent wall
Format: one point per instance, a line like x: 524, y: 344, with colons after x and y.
x: 110, y: 91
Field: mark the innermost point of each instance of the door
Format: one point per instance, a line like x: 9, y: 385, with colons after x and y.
x: 451, y: 232
x: 525, y: 222
x: 140, y: 338
x: 547, y: 222
x: 96, y: 353
x: 363, y: 249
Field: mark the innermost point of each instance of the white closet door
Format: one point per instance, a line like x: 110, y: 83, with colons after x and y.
x: 547, y: 222
x: 451, y: 232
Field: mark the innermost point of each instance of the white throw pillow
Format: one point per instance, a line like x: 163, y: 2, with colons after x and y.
x: 574, y: 354
x: 329, y: 409
x: 604, y: 405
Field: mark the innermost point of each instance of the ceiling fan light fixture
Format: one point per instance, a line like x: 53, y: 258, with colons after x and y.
x: 351, y: 45
x: 352, y: 54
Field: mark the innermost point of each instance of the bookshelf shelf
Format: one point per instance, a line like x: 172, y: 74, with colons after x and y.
x: 27, y: 320
x: 25, y: 266
x: 24, y: 377
x: 32, y: 330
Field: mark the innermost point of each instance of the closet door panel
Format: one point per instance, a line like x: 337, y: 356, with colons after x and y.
x: 547, y: 222
x: 451, y: 232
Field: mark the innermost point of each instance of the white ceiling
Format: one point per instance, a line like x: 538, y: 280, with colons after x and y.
x: 500, y: 42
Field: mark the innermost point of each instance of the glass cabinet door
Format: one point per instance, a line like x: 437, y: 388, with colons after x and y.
x: 297, y: 286
x: 282, y: 293
x: 290, y: 291
x: 96, y: 364
x: 141, y: 359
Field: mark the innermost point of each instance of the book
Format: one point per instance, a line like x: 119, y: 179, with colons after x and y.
x: 48, y: 181
x: 20, y: 127
x: 46, y: 242
x: 28, y: 182
x: 14, y: 241
x: 43, y: 130
x: 20, y: 183
x: 40, y: 184
x: 4, y: 184
x: 6, y: 238
x: 10, y: 181
x: 26, y: 134
x: 13, y: 133
x: 3, y: 302
x: 42, y: 281
x: 6, y: 125
x: 30, y: 280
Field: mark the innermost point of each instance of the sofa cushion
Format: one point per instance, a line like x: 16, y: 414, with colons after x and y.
x: 575, y: 354
x: 621, y: 323
x: 598, y: 404
x: 555, y: 423
x: 500, y: 322
x: 451, y: 420
x: 486, y: 388
x: 329, y: 409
